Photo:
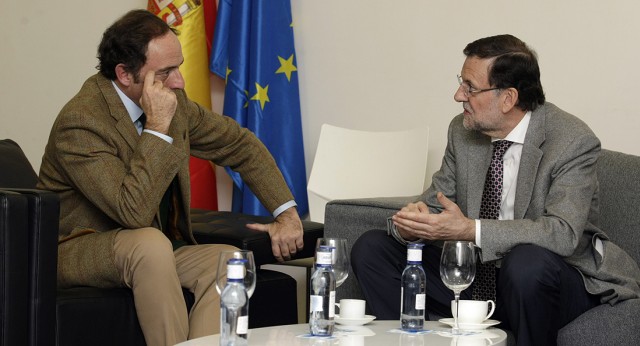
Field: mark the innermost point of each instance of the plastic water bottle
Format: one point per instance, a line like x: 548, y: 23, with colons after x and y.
x: 414, y: 284
x: 234, y: 306
x: 323, y: 294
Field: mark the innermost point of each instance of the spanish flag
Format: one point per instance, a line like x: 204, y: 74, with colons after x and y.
x: 194, y: 19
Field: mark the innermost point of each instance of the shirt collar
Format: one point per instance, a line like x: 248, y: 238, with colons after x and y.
x: 519, y: 132
x: 132, y: 108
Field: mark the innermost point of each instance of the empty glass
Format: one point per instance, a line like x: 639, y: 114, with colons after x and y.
x: 250, y: 265
x: 339, y: 257
x: 457, y: 270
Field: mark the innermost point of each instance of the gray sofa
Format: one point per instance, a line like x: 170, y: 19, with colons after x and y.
x: 619, y: 177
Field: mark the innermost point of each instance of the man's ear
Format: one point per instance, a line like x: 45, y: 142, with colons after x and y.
x: 510, y: 99
x: 125, y: 78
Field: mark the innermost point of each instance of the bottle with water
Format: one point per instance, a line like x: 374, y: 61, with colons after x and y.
x: 234, y: 306
x: 413, y: 297
x: 323, y: 294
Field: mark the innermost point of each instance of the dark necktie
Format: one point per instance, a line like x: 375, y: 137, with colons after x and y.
x: 484, y: 287
x: 143, y: 120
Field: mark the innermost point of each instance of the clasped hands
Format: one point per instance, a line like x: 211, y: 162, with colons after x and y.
x: 415, y: 222
x: 285, y: 232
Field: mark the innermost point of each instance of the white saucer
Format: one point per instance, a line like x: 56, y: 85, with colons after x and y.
x: 354, y: 321
x: 470, y: 326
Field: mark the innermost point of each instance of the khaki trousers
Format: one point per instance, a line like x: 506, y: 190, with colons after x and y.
x: 155, y: 273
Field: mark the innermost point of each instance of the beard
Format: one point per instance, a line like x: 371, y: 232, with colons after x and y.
x: 467, y: 123
x: 487, y: 122
x: 468, y: 120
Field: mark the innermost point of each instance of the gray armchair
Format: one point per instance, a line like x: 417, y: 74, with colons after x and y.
x: 619, y: 178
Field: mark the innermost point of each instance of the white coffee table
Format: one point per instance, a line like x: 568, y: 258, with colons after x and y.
x: 376, y: 333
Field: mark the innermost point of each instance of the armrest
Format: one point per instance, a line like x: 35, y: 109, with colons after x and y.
x: 43, y: 215
x: 14, y: 280
x: 220, y: 227
x: 349, y: 218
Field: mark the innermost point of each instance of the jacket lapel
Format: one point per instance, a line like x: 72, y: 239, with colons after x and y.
x: 529, y: 162
x: 478, y: 159
x: 124, y: 125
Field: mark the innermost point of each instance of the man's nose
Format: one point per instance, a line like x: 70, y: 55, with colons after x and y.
x: 175, y: 80
x: 459, y: 95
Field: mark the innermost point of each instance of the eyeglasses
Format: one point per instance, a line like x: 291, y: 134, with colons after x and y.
x: 469, y: 91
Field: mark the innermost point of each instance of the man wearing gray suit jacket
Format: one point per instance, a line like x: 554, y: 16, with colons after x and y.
x: 552, y: 261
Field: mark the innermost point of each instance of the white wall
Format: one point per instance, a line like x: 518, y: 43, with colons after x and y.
x: 378, y: 64
x: 47, y: 50
x: 366, y: 64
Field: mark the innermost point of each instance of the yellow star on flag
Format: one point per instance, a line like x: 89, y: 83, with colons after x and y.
x: 226, y: 78
x: 261, y: 95
x: 286, y: 66
x: 246, y: 104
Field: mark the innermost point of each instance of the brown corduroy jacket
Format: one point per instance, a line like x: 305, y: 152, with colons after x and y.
x: 108, y: 177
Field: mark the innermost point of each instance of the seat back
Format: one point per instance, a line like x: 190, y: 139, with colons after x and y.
x: 619, y: 179
x: 362, y: 164
x: 15, y: 170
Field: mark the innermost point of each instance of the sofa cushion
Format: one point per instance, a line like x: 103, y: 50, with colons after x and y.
x: 604, y: 325
x: 15, y: 169
x: 97, y: 316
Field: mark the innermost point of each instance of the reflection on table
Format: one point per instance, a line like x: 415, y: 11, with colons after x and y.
x: 376, y: 333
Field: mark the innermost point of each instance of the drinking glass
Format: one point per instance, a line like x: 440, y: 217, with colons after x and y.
x: 339, y: 257
x: 250, y: 267
x: 457, y: 270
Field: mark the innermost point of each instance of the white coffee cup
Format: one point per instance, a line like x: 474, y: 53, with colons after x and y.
x: 351, y: 308
x: 473, y: 311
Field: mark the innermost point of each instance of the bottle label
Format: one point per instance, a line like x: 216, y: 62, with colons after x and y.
x: 315, y: 303
x: 420, y: 301
x: 324, y: 258
x: 235, y: 271
x: 332, y: 304
x: 414, y: 255
x: 243, y: 325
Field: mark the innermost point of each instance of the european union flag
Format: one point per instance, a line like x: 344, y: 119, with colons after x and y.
x: 253, y: 50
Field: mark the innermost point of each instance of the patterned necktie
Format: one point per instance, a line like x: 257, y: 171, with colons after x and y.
x: 484, y: 287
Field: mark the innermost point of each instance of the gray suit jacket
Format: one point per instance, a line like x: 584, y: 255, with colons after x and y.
x: 108, y: 177
x: 556, y: 204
